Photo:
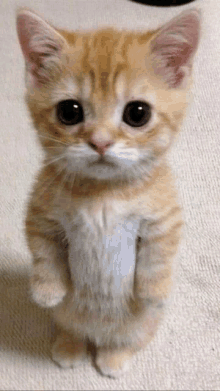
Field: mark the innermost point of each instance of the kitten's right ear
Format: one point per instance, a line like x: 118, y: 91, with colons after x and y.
x: 41, y: 45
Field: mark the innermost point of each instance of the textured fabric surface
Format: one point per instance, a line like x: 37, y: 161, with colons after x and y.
x: 186, y: 351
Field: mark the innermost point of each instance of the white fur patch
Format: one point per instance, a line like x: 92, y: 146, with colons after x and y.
x: 126, y: 155
x: 102, y: 252
x: 117, y: 158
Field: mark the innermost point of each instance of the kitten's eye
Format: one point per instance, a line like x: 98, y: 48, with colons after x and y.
x: 137, y: 113
x: 70, y: 112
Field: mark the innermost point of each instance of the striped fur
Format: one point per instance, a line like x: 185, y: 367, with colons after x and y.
x: 102, y: 239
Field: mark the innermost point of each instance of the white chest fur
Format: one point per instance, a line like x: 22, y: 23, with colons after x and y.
x: 102, y: 250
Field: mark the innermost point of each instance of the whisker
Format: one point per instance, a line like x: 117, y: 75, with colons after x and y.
x: 55, y: 147
x: 54, y: 160
x: 48, y: 184
x: 53, y: 139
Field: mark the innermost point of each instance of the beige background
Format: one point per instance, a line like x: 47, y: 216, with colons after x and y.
x: 186, y: 351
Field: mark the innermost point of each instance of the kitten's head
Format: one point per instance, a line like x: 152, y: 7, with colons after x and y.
x: 107, y: 103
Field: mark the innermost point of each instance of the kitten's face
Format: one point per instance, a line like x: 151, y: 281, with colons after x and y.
x: 102, y: 109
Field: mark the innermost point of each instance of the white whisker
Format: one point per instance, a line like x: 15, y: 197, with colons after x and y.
x: 61, y: 157
x: 53, y: 139
x: 45, y: 188
x: 55, y: 147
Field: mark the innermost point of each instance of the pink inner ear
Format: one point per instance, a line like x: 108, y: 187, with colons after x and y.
x: 169, y: 60
x: 185, y: 28
x: 40, y: 44
x: 25, y: 28
x: 174, y: 47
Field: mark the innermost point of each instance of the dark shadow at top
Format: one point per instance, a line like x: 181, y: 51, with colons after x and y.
x: 163, y: 3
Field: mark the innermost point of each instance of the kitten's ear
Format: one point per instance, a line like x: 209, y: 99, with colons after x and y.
x: 174, y: 46
x: 41, y: 45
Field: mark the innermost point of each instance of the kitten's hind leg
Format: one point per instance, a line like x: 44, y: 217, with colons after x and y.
x: 68, y: 351
x: 113, y: 363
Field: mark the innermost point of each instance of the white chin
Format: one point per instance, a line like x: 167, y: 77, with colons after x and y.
x: 102, y: 171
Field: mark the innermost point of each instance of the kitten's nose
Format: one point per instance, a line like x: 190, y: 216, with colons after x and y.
x: 100, y: 146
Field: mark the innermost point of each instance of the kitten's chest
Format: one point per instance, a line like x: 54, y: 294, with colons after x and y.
x: 102, y: 250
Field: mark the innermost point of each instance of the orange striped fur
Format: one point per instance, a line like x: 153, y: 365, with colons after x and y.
x: 81, y: 213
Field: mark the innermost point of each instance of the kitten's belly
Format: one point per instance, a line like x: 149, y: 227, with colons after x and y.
x: 102, y: 260
x: 102, y: 264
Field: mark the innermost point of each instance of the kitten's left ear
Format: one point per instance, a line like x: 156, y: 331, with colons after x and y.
x: 41, y: 45
x: 173, y: 48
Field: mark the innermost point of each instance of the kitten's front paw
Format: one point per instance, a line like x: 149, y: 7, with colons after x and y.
x: 47, y: 294
x: 113, y: 363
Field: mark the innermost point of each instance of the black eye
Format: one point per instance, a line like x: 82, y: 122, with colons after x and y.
x: 70, y: 112
x: 137, y: 113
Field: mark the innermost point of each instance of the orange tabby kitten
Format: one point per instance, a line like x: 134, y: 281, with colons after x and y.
x: 103, y: 222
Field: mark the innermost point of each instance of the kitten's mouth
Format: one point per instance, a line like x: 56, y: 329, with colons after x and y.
x: 102, y: 161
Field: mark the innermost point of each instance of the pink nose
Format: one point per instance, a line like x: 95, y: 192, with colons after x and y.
x: 100, y: 146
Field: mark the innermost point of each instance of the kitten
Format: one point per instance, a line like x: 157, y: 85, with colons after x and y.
x: 103, y: 221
